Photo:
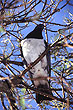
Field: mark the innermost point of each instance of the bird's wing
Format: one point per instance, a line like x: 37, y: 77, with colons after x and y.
x: 23, y: 59
x: 48, y: 56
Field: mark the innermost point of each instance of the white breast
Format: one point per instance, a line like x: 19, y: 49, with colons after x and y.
x: 32, y: 49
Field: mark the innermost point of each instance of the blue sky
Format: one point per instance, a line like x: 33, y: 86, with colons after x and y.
x: 57, y: 18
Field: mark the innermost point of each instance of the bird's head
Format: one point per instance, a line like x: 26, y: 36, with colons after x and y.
x: 39, y: 27
x: 37, y: 32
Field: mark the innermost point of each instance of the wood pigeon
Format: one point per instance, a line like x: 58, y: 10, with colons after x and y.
x: 33, y: 46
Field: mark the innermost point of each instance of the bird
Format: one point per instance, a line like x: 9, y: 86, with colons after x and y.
x: 32, y: 46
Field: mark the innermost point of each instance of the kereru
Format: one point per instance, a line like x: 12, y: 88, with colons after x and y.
x: 33, y: 46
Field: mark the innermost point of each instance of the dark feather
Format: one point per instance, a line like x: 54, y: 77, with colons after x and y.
x: 37, y: 32
x: 45, y: 90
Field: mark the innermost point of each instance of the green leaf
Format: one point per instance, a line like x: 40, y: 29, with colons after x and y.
x: 22, y: 103
x: 1, y: 29
x: 22, y: 100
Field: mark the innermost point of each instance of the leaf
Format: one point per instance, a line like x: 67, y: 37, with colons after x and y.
x: 22, y: 100
x: 1, y: 29
x: 22, y: 103
x: 23, y: 90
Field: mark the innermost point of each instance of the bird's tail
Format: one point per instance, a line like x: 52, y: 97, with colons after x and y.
x: 43, y: 89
